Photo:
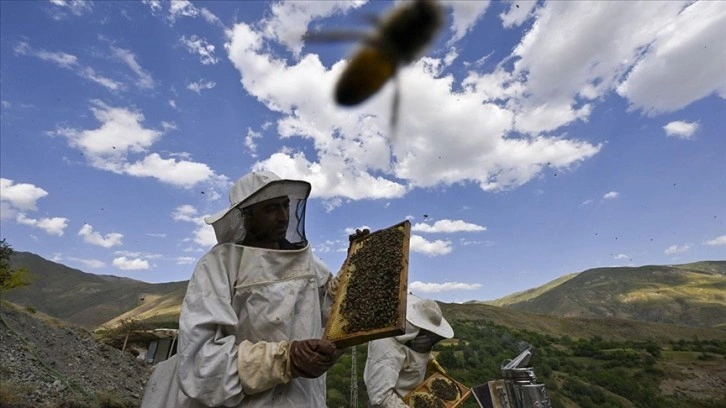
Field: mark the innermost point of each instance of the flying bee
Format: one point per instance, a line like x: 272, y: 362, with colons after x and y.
x: 399, y: 38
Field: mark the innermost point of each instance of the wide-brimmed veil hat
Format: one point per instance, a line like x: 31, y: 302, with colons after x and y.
x: 254, y: 188
x: 426, y: 314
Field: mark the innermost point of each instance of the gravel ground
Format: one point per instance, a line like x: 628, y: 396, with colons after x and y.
x: 46, y: 364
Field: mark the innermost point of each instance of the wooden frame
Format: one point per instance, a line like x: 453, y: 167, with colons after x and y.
x: 334, y: 328
x: 424, y: 387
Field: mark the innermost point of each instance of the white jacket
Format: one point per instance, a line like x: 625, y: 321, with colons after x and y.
x: 393, y: 370
x: 242, y: 307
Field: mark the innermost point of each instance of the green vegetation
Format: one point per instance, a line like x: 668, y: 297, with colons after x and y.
x: 10, y: 278
x: 592, y: 372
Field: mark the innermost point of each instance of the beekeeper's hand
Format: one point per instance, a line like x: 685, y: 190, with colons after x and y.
x: 312, y: 358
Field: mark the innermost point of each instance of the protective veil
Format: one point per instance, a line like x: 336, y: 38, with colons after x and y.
x: 243, y: 307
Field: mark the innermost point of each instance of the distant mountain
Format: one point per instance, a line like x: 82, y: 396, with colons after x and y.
x: 85, y: 299
x: 654, y: 297
x: 690, y: 294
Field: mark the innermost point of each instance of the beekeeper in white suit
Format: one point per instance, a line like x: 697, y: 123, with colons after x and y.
x: 396, y: 365
x: 252, y: 319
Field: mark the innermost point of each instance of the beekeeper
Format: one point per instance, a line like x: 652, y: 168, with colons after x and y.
x: 252, y: 318
x: 396, y: 365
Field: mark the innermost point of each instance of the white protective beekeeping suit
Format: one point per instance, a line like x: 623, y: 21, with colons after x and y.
x: 242, y: 307
x: 393, y: 369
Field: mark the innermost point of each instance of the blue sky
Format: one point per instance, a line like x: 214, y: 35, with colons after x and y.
x: 535, y: 139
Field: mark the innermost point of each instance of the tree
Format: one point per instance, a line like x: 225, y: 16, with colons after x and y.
x: 10, y: 278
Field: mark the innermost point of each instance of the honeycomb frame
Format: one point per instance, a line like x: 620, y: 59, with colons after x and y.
x: 334, y: 329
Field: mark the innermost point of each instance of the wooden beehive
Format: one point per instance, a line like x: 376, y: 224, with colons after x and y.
x: 373, y: 283
x: 424, y: 389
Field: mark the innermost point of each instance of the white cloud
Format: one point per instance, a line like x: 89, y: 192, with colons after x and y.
x: 289, y: 20
x: 621, y: 256
x: 448, y: 226
x: 20, y: 196
x: 90, y: 263
x: 518, y: 12
x: 122, y: 134
x: 145, y: 81
x: 69, y: 61
x: 52, y: 226
x: 352, y: 157
x: 75, y: 7
x: 677, y: 249
x: 429, y: 248
x: 127, y: 264
x: 203, y: 234
x: 185, y: 260
x: 681, y: 129
x: 181, y: 8
x: 464, y: 15
x: 665, y: 78
x: 155, y: 5
x: 106, y: 241
x: 720, y: 240
x: 201, y: 85
x: 187, y: 213
x: 200, y: 47
x: 429, y: 287
x: 611, y: 195
x: 250, y: 141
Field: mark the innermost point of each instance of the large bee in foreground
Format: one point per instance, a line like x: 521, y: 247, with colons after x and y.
x: 400, y: 37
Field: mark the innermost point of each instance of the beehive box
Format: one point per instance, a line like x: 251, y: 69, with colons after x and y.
x: 438, y: 391
x: 371, y: 299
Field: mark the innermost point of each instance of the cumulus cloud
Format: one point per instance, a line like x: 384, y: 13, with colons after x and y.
x: 665, y: 78
x: 429, y: 287
x: 452, y: 138
x: 429, y: 248
x: 289, y: 20
x: 203, y: 234
x: 20, y: 196
x: 52, y: 225
x: 448, y: 226
x: 611, y: 195
x: 464, y: 15
x: 518, y: 12
x: 121, y: 135
x: 128, y: 264
x: 106, y: 241
x: 677, y: 249
x: 681, y: 129
x: 720, y: 240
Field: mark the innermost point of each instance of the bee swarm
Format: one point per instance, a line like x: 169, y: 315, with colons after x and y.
x: 371, y: 300
x: 425, y: 400
x: 444, y: 389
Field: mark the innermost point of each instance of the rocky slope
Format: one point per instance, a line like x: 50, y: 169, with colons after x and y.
x: 47, y: 364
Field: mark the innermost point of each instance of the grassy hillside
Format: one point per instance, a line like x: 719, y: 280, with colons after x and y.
x: 690, y: 294
x: 84, y: 299
x: 529, y: 294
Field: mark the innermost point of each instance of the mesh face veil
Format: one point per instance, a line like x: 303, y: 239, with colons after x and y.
x: 256, y: 187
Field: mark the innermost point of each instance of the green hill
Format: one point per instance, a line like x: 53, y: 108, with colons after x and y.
x: 81, y: 298
x: 690, y: 294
